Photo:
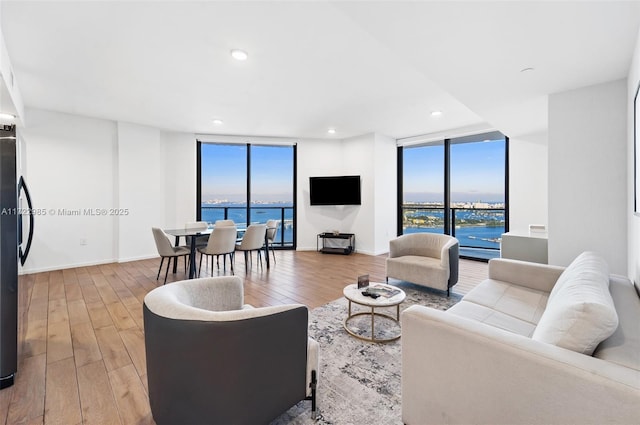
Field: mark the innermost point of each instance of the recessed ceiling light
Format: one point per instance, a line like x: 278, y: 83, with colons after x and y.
x: 218, y: 121
x: 331, y: 131
x: 436, y: 113
x: 240, y: 55
x: 4, y: 116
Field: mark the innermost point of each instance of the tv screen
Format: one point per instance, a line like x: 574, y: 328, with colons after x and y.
x: 335, y: 190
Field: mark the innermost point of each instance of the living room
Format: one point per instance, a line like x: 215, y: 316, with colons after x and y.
x: 569, y: 123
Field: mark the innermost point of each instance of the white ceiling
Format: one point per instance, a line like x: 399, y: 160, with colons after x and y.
x: 361, y: 67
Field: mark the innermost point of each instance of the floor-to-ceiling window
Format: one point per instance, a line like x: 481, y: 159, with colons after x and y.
x: 248, y: 184
x: 459, y: 187
x: 423, y: 189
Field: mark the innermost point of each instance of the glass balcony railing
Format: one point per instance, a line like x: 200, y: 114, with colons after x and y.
x: 479, y: 230
x: 257, y: 214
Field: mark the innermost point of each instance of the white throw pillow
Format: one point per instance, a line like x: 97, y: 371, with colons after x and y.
x: 580, y: 312
x: 587, y: 265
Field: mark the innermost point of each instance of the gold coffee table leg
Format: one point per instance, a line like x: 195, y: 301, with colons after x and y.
x: 372, y: 316
x: 371, y: 313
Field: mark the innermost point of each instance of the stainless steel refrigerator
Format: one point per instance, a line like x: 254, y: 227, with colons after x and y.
x: 12, y: 250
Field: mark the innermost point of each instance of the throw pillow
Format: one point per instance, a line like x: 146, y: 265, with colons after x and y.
x: 587, y: 265
x: 581, y: 313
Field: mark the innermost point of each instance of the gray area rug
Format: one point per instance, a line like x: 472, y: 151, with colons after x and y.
x: 359, y: 381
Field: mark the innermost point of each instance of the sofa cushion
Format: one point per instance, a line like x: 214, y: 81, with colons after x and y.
x: 523, y: 303
x: 587, y: 265
x: 623, y: 346
x: 418, y: 269
x: 492, y: 317
x: 580, y: 312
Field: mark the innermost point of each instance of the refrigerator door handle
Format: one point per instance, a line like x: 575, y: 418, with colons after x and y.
x: 22, y: 186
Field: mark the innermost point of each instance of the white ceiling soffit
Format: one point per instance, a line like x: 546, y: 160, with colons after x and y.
x: 476, y: 50
x: 358, y: 67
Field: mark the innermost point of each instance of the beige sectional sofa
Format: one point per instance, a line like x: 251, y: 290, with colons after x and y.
x: 534, y: 343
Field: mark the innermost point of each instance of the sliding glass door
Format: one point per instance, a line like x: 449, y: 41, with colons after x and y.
x: 478, y: 198
x: 423, y: 189
x: 248, y: 184
x: 458, y: 187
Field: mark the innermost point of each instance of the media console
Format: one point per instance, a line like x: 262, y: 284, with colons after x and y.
x: 336, y: 243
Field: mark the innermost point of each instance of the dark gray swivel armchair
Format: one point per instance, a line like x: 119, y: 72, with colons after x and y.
x: 211, y: 359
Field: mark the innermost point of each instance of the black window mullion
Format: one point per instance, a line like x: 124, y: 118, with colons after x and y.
x: 295, y: 199
x: 506, y: 184
x: 198, y: 180
x: 248, y: 184
x: 447, y: 187
x: 400, y: 197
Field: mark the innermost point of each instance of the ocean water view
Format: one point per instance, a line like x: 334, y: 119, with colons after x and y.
x: 474, y: 227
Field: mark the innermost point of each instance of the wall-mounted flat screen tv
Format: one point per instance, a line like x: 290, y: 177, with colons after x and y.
x: 335, y: 190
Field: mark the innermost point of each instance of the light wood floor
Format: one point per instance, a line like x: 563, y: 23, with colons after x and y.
x: 82, y: 358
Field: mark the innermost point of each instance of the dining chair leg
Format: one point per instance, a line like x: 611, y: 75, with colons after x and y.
x: 200, y: 266
x: 167, y: 272
x: 160, y: 268
x: 259, y: 256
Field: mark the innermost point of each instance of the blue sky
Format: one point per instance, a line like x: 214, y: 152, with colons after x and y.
x: 224, y: 170
x: 477, y: 172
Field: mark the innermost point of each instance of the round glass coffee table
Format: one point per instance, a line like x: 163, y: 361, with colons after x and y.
x: 354, y: 295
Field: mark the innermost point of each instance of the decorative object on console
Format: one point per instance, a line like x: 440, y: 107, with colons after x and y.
x: 363, y: 281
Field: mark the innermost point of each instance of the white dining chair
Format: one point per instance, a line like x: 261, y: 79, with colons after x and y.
x: 272, y: 231
x: 222, y: 241
x: 252, y: 240
x: 201, y: 240
x: 166, y: 250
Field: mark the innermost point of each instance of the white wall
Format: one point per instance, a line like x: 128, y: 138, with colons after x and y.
x: 632, y: 219
x: 140, y: 154
x: 70, y: 167
x: 359, y: 154
x: 385, y: 193
x: 588, y: 174
x: 372, y: 156
x: 528, y: 171
x: 318, y: 157
x: 179, y: 172
x: 80, y: 165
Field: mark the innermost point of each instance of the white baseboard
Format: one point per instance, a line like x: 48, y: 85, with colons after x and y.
x: 87, y: 264
x: 64, y: 266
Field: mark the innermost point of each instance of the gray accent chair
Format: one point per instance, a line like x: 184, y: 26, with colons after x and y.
x: 427, y: 259
x: 201, y: 240
x: 222, y: 241
x: 252, y: 240
x: 219, y: 223
x: 211, y: 359
x: 272, y: 231
x: 166, y: 250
